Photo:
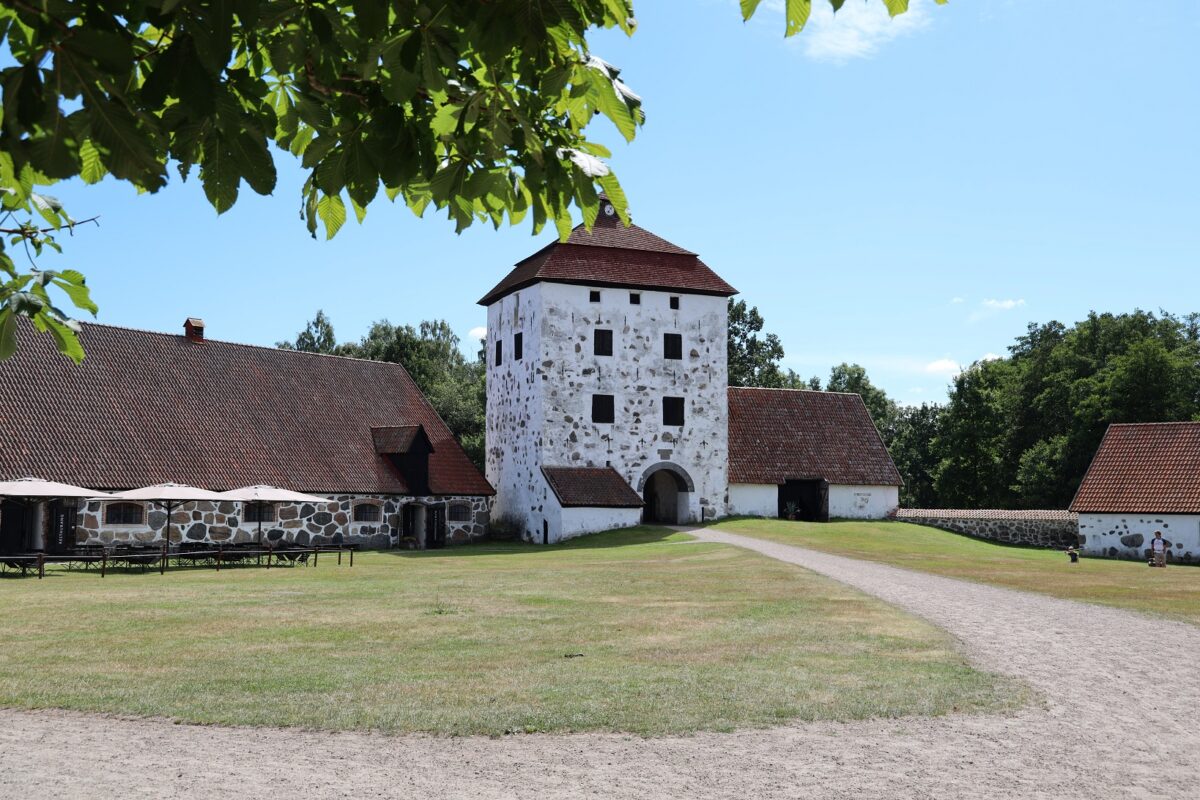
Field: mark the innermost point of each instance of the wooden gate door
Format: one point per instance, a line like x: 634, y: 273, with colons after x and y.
x: 60, y: 538
x: 435, y: 527
x: 408, y: 521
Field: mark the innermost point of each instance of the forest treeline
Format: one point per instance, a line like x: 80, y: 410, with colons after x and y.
x: 1015, y: 432
x: 1020, y: 431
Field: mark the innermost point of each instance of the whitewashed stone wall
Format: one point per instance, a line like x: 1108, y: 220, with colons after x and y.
x: 568, y: 523
x: 539, y: 409
x: 514, y: 411
x: 754, y: 499
x: 302, y: 524
x: 863, y: 502
x: 845, y: 502
x: 1129, y: 535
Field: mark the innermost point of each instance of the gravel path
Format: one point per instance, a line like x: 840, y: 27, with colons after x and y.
x: 1121, y: 695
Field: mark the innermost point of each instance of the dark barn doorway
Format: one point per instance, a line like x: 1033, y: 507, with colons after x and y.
x: 16, y: 519
x: 662, y: 497
x: 666, y: 491
x: 808, y: 500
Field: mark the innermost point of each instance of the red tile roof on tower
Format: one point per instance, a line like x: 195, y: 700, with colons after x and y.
x: 776, y: 435
x: 1151, y: 468
x: 595, y: 487
x: 614, y: 255
x: 145, y: 407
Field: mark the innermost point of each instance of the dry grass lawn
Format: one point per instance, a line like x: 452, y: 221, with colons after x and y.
x: 643, y: 631
x: 1173, y: 592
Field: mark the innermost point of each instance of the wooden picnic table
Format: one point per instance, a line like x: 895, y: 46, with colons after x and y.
x: 149, y: 556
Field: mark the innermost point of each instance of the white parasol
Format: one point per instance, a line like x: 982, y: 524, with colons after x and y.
x: 169, y: 494
x: 269, y: 494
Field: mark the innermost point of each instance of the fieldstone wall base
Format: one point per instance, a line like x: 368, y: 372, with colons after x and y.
x: 303, y: 524
x: 1051, y: 529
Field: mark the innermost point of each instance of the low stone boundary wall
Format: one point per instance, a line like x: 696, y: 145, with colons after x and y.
x: 1031, y: 528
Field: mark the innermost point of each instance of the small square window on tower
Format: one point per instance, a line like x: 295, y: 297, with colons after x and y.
x: 674, y: 303
x: 635, y: 299
x: 499, y: 352
x: 602, y: 408
x: 594, y: 296
x: 602, y: 343
x: 673, y: 346
x: 519, y: 346
x: 673, y: 411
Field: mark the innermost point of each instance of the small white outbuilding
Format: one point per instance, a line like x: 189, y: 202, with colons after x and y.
x: 807, y: 455
x: 1145, y: 477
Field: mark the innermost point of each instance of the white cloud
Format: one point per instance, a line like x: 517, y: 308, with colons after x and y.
x: 993, y: 306
x: 858, y: 30
x: 943, y: 366
x: 957, y: 300
x: 990, y: 357
x: 475, y: 334
x: 1003, y: 305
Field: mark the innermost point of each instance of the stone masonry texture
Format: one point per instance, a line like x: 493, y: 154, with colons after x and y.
x: 1056, y: 529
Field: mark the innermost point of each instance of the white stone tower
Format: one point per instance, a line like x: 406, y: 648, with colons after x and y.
x: 606, y: 358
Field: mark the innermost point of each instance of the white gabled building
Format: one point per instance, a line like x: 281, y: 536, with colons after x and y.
x: 807, y: 455
x: 1145, y: 477
x: 607, y: 387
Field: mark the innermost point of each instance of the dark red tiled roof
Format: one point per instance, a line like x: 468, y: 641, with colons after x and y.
x: 777, y: 435
x: 1151, y: 468
x: 609, y: 232
x: 145, y: 407
x: 595, y: 487
x: 613, y: 255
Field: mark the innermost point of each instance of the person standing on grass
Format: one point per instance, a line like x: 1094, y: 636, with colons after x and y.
x: 1159, y: 548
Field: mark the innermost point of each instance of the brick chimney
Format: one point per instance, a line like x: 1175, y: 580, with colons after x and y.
x: 193, y: 329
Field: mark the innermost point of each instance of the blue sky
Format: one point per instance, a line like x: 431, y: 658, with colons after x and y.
x: 905, y: 194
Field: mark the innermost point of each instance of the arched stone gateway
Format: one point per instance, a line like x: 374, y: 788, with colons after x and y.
x: 666, y: 489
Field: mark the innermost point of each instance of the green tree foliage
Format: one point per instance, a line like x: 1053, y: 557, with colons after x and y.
x: 796, y: 12
x: 317, y: 337
x: 914, y: 431
x: 1021, y: 431
x: 754, y: 358
x: 478, y: 109
x: 454, y: 384
x: 32, y: 219
x: 970, y: 471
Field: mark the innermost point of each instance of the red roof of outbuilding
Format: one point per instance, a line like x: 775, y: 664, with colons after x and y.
x: 776, y: 435
x: 614, y: 255
x: 1150, y: 467
x: 595, y: 487
x: 145, y: 407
